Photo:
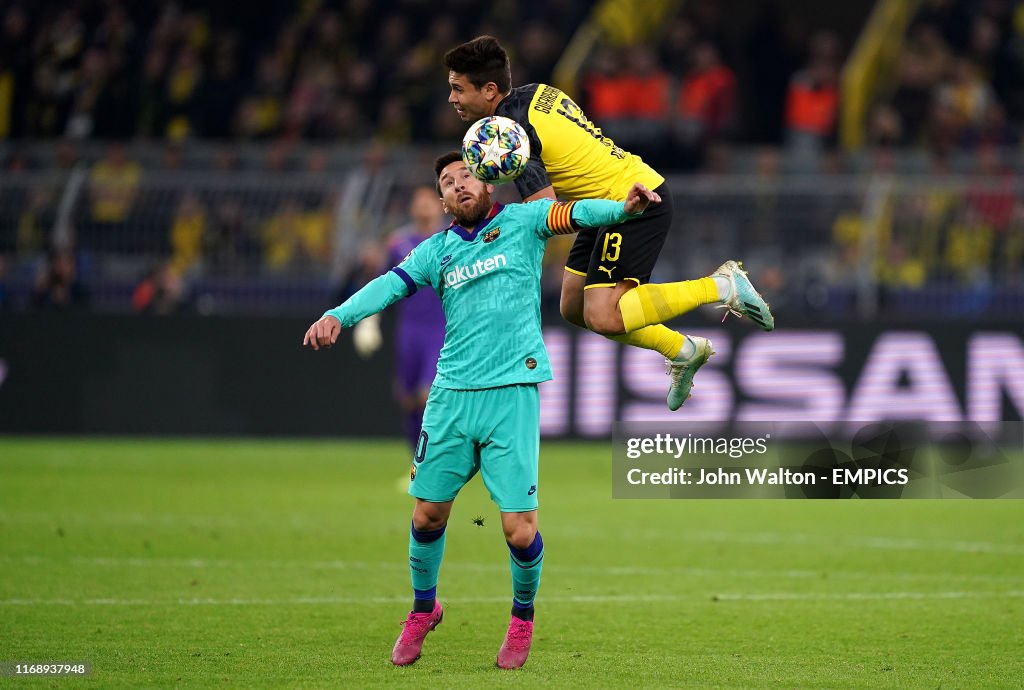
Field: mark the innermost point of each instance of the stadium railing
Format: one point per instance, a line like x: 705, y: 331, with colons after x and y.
x: 853, y: 246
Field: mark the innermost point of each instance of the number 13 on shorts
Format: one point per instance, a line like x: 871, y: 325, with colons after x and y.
x: 611, y: 247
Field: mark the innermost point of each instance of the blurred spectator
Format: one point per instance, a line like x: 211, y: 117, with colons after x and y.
x: 310, y: 99
x: 67, y: 156
x: 174, y: 157
x: 991, y: 198
x: 315, y: 232
x: 930, y: 50
x: 187, y: 234
x: 885, y: 128
x: 604, y: 90
x: 89, y: 90
x: 812, y: 102
x: 152, y: 104
x: 58, y: 52
x: 230, y: 246
x: 418, y: 76
x: 774, y: 49
x: 643, y: 97
x: 372, y: 256
x: 281, y: 155
x: 966, y: 95
x: 985, y: 39
x: 993, y: 130
x: 648, y: 88
x: 706, y: 104
x: 443, y: 125
x: 281, y: 235
x: 959, y: 60
x: 262, y: 113
x: 674, y: 51
x: 540, y: 46
x: 113, y: 184
x: 57, y: 285
x: 328, y: 45
x: 900, y: 268
x: 912, y: 98
x: 1008, y: 73
x: 15, y: 71
x: 226, y: 159
x: 34, y: 224
x: 220, y: 93
x: 394, y: 127
x: 116, y: 31
x: 44, y: 114
x: 346, y: 122
x: 948, y: 18
x: 184, y: 86
x: 393, y: 41
x: 317, y: 162
x: 161, y: 291
x: 965, y: 111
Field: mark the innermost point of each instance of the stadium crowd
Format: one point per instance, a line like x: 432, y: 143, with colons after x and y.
x: 338, y: 72
x: 284, y: 83
x: 344, y: 72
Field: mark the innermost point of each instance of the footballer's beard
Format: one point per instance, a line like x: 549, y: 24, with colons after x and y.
x: 469, y: 216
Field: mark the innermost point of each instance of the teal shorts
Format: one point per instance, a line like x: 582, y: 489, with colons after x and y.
x: 495, y: 431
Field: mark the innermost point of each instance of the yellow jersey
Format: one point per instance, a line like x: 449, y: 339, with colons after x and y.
x: 568, y: 151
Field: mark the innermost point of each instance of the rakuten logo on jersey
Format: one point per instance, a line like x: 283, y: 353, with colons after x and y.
x: 460, y: 275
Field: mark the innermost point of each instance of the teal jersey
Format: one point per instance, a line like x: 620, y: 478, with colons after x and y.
x: 488, y: 279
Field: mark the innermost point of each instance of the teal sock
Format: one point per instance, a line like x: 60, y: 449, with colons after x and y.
x: 526, y: 566
x: 426, y: 549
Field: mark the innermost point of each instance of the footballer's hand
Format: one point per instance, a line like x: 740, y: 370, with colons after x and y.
x: 323, y: 333
x: 639, y: 198
x: 366, y: 336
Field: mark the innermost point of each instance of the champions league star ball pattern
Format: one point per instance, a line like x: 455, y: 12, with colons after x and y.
x: 496, y: 149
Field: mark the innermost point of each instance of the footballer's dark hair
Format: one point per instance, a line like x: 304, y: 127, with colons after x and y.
x: 441, y: 163
x: 482, y: 60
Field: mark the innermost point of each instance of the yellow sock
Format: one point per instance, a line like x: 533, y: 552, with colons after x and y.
x: 649, y: 304
x: 658, y: 338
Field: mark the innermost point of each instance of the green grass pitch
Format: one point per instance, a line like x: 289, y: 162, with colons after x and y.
x: 283, y: 564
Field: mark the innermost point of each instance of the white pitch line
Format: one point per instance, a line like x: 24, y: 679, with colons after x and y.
x: 497, y: 567
x: 185, y: 522
x: 864, y: 596
x: 159, y: 519
x: 555, y: 599
x: 888, y: 543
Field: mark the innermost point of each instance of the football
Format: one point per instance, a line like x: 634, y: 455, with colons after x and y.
x: 496, y: 149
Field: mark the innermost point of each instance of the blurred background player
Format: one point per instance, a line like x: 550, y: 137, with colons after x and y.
x: 606, y: 283
x: 419, y: 331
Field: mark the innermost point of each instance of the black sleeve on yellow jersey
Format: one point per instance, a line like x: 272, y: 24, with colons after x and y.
x: 516, y: 106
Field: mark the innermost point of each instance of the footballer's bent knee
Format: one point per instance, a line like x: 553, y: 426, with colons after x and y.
x: 604, y: 320
x: 570, y: 301
x: 572, y: 311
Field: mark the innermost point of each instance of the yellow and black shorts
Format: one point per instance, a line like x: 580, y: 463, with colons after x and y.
x: 613, y: 253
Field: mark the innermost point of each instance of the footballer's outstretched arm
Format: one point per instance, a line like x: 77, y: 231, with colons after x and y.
x: 567, y: 217
x: 375, y: 296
